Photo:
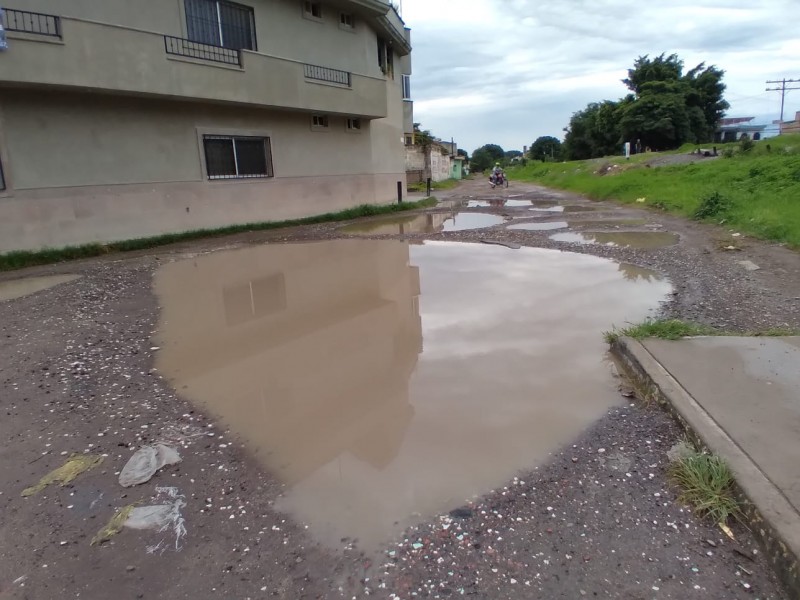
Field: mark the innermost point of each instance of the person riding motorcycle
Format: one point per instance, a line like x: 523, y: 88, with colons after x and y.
x: 497, y: 175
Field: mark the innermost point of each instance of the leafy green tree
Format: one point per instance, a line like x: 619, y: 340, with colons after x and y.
x: 512, y: 154
x: 670, y: 107
x: 594, y: 131
x: 545, y: 147
x: 486, y: 156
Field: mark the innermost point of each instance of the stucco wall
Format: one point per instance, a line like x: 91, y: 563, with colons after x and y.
x: 279, y: 26
x: 86, y: 168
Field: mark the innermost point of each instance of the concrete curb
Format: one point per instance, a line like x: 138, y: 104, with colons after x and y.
x: 771, y: 517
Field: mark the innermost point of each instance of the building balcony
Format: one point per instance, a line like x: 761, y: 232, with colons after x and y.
x: 56, y: 52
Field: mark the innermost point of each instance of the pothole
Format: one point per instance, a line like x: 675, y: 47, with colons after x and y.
x: 385, y: 382
x: 628, y: 239
x: 17, y: 288
x: 425, y: 223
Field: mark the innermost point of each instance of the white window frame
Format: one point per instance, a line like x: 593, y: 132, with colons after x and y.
x: 353, y: 125
x: 406, y: 87
x: 343, y: 21
x: 320, y: 122
x: 309, y: 8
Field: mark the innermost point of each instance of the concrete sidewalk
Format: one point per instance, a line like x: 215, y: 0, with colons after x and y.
x: 741, y: 397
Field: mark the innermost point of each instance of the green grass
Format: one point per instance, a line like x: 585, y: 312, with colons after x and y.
x: 447, y: 184
x: 675, y: 329
x: 706, y: 483
x: 20, y: 259
x: 665, y: 329
x: 753, y: 192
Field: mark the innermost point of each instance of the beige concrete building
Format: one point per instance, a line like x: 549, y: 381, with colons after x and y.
x: 124, y: 119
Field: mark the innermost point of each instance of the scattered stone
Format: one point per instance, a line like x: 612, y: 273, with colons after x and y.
x: 749, y: 265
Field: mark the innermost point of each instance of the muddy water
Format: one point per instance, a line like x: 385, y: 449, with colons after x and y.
x: 569, y: 208
x: 427, y: 223
x: 17, y: 288
x: 630, y: 239
x: 498, y: 203
x: 550, y: 226
x: 384, y: 382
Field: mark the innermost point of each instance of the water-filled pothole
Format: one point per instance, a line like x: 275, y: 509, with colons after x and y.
x: 17, y: 288
x: 498, y: 203
x: 540, y: 226
x: 551, y: 225
x: 425, y: 223
x: 560, y: 208
x: 629, y: 239
x: 385, y: 382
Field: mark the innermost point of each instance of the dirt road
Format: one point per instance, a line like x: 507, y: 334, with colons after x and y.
x: 77, y: 376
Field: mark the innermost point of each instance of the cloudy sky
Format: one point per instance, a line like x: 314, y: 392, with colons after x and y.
x: 508, y: 71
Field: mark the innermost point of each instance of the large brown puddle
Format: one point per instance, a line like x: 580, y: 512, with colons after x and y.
x: 385, y: 382
x: 17, y: 288
x: 425, y: 223
x: 629, y: 239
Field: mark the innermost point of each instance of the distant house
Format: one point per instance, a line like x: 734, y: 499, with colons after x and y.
x: 733, y: 129
x: 435, y: 160
x: 791, y: 126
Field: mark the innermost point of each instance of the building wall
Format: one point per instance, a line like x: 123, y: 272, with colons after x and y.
x: 83, y: 168
x: 279, y: 25
x: 126, y: 160
x: 791, y: 126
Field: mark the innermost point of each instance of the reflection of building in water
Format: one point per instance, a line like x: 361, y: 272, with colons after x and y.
x: 425, y: 223
x: 304, y: 350
x: 635, y: 272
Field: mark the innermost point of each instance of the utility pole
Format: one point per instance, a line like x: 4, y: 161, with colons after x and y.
x: 783, y: 89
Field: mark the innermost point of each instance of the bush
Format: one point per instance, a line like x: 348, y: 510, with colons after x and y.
x: 712, y: 205
x: 746, y: 144
x: 727, y: 153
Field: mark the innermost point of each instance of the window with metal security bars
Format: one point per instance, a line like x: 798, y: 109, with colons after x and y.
x: 237, y: 157
x: 327, y: 74
x: 319, y: 121
x: 406, y: 87
x: 221, y: 23
x: 24, y: 21
x: 353, y: 124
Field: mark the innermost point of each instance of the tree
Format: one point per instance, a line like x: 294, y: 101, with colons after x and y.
x: 511, y: 154
x: 485, y: 156
x: 461, y: 152
x: 594, y: 131
x: 545, y: 147
x: 670, y: 108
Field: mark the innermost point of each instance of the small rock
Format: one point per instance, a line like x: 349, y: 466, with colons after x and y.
x: 130, y: 568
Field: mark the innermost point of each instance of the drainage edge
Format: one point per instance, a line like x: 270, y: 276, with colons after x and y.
x: 770, y: 516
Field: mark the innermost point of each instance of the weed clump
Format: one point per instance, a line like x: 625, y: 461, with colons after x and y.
x: 712, y: 205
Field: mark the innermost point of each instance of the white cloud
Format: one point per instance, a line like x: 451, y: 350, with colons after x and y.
x: 508, y: 71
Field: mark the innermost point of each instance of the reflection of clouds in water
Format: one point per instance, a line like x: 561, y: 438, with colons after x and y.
x: 523, y: 300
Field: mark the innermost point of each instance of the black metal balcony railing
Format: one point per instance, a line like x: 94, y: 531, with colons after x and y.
x: 201, y: 51
x: 326, y: 74
x: 31, y: 22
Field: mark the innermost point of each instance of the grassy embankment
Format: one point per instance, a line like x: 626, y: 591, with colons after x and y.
x: 21, y: 259
x: 756, y: 192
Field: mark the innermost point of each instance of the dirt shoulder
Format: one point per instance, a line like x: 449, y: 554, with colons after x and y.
x: 77, y: 376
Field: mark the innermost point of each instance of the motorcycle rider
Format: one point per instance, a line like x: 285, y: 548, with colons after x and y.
x: 497, y: 173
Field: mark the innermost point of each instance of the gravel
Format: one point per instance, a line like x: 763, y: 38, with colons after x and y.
x: 599, y: 520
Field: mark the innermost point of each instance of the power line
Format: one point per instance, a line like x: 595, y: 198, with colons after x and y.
x: 783, y: 89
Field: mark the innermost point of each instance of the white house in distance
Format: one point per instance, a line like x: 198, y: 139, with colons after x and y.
x: 123, y: 119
